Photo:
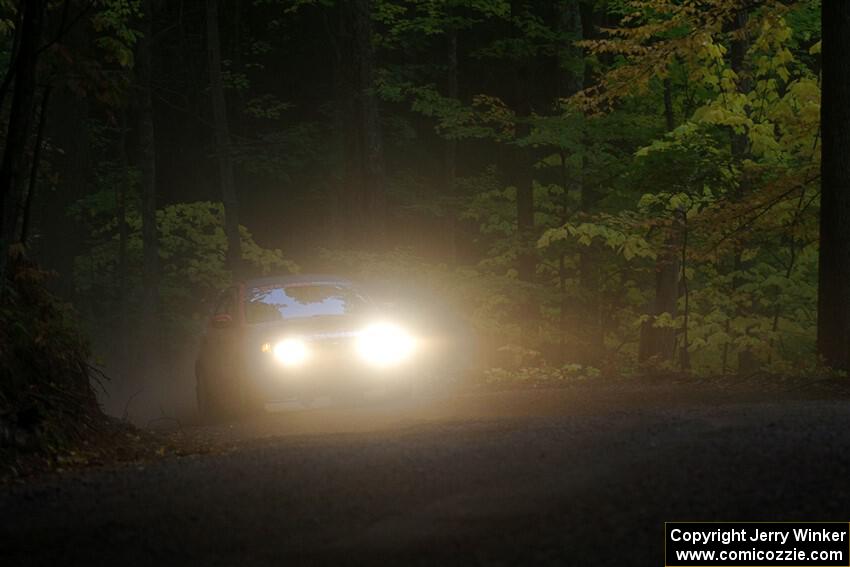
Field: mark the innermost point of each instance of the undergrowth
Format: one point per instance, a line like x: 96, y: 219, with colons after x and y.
x: 47, y: 402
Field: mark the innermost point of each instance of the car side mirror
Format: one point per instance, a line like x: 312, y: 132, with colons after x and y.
x: 222, y: 321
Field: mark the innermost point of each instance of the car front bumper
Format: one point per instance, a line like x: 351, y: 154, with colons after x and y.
x: 329, y: 374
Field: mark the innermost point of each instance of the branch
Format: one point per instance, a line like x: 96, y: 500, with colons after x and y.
x: 767, y: 207
x: 65, y: 26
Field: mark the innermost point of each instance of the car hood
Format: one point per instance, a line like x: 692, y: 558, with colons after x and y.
x: 311, y: 328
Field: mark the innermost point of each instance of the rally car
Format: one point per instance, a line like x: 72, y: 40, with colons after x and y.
x: 299, y: 337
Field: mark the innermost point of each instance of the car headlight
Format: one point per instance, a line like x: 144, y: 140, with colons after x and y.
x: 385, y: 345
x: 291, y: 352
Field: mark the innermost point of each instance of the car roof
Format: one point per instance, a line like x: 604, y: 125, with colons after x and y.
x: 299, y: 279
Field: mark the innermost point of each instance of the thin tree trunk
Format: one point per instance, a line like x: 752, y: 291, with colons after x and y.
x: 589, y: 278
x: 777, y: 310
x: 123, y: 237
x: 669, y: 116
x: 36, y: 159
x: 222, y: 143
x: 738, y: 147
x: 747, y: 362
x: 834, y: 275
x: 562, y: 271
x: 568, y: 83
x: 13, y: 59
x: 660, y: 342
x: 792, y: 262
x: 352, y: 190
x: 20, y: 117
x: 336, y: 176
x: 372, y: 158
x: 147, y: 170
x: 450, y: 163
x: 685, y: 353
x: 522, y: 173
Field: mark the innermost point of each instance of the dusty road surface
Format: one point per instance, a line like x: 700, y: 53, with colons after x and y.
x: 576, y: 476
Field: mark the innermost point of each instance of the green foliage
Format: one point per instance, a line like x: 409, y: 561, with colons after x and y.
x: 111, y: 21
x: 192, y: 247
x: 729, y: 190
x: 539, y: 376
x: 677, y: 153
x: 46, y: 397
x: 748, y: 216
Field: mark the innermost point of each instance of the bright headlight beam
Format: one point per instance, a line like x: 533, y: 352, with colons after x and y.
x: 291, y: 352
x: 384, y: 344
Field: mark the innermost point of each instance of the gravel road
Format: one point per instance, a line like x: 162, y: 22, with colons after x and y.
x: 577, y: 476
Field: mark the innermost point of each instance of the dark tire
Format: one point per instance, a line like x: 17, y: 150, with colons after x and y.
x: 251, y: 403
x: 220, y: 399
x: 211, y: 406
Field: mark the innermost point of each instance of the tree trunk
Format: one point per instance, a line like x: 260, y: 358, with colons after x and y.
x: 13, y: 58
x: 563, y: 307
x: 123, y: 327
x: 147, y: 169
x: 569, y: 82
x: 12, y: 172
x: 669, y: 117
x: 747, y: 362
x: 335, y: 36
x: 834, y: 275
x: 352, y: 191
x: 36, y: 160
x: 685, y: 349
x: 222, y: 143
x: 450, y: 158
x: 589, y: 277
x: 522, y: 176
x: 372, y: 158
x: 660, y: 342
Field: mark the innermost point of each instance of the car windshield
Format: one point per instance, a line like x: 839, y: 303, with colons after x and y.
x: 278, y: 302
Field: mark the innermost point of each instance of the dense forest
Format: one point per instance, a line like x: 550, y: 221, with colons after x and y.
x: 597, y: 186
